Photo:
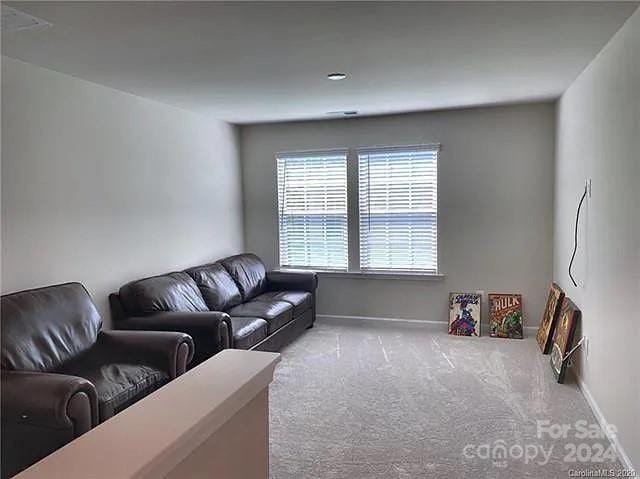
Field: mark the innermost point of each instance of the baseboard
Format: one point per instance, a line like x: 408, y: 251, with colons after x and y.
x: 399, y: 320
x: 374, y: 318
x: 597, y: 412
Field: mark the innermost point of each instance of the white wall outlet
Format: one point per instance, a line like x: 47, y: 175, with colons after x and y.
x: 588, y: 186
x: 585, y: 348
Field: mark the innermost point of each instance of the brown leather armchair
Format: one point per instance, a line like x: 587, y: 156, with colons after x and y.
x: 61, y: 375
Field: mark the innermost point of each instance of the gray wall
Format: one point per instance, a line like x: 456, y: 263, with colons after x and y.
x: 495, y: 204
x: 599, y: 138
x: 103, y: 187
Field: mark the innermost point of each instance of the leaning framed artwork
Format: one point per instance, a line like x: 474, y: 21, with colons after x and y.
x: 549, y: 318
x: 563, y: 338
x: 464, y: 314
x: 505, y: 315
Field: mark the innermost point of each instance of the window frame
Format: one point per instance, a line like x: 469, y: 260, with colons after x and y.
x: 310, y: 153
x: 353, y: 270
x: 431, y: 147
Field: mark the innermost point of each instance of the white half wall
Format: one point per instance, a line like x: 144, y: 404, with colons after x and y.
x: 103, y: 187
x: 598, y: 138
x: 495, y: 204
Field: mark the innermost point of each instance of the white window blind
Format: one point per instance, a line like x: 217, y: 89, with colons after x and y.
x: 399, y: 208
x: 312, y: 209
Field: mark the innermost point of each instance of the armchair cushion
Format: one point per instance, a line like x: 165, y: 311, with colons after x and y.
x: 275, y: 313
x: 218, y: 288
x: 167, y: 351
x: 118, y: 385
x: 169, y: 292
x: 249, y: 273
x: 42, y: 328
x: 300, y: 300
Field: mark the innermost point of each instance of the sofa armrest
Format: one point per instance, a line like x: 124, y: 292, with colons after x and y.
x: 210, y: 330
x: 49, y: 400
x: 168, y: 350
x: 292, y: 281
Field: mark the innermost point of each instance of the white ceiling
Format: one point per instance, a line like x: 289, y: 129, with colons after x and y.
x: 267, y: 61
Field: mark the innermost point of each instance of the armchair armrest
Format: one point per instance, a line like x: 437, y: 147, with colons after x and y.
x: 292, y: 281
x: 49, y: 400
x: 170, y: 351
x: 210, y: 330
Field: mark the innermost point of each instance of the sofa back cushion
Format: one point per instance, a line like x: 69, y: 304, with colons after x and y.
x: 249, y: 273
x: 169, y: 292
x: 218, y: 288
x: 42, y: 328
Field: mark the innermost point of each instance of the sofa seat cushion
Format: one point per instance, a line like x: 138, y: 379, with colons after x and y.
x: 247, y: 332
x: 300, y: 300
x: 248, y: 272
x: 275, y: 313
x: 118, y: 385
x: 218, y: 288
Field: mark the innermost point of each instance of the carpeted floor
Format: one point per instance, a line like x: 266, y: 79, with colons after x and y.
x: 372, y: 400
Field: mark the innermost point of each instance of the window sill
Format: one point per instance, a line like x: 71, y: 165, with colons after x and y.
x: 375, y: 275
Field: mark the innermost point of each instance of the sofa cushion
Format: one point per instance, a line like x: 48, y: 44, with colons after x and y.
x: 119, y: 384
x: 42, y: 328
x: 276, y: 313
x: 247, y: 332
x: 169, y: 292
x: 300, y: 300
x: 218, y: 288
x: 248, y: 272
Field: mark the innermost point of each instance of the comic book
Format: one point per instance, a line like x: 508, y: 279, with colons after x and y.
x: 464, y: 314
x: 505, y: 315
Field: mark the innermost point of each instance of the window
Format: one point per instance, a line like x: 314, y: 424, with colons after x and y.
x: 394, y: 206
x: 312, y: 209
x: 398, y: 208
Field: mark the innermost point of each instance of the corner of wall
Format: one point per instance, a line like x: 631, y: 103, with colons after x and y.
x: 240, y: 133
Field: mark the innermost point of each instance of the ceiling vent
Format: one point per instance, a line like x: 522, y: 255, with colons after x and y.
x: 342, y: 113
x: 14, y: 20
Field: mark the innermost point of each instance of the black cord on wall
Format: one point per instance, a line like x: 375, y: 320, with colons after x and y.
x: 575, y: 236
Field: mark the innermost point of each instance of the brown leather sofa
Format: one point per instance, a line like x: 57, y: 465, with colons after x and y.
x: 62, y: 375
x: 233, y: 302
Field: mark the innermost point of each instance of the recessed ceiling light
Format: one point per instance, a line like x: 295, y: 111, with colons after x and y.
x: 337, y: 76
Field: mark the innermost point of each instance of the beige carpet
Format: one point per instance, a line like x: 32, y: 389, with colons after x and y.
x: 394, y: 400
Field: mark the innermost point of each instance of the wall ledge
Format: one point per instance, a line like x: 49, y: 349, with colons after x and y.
x: 153, y: 436
x: 375, y: 275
